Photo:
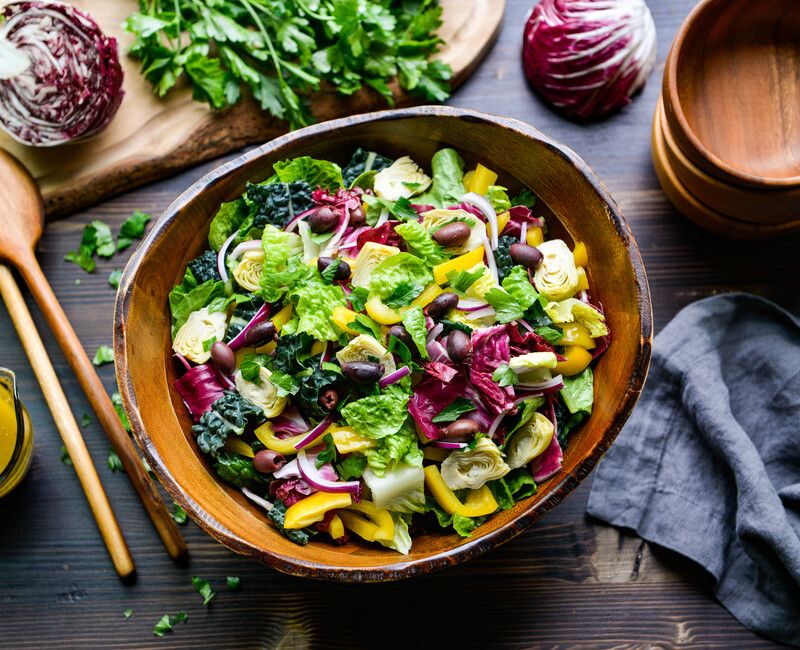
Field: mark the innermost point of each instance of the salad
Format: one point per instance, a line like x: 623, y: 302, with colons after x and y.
x: 376, y: 351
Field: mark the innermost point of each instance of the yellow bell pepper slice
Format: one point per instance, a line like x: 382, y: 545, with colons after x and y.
x: 577, y: 361
x: 368, y: 521
x: 427, y: 296
x: 534, y: 237
x: 236, y: 446
x: 580, y: 254
x: 502, y: 222
x: 576, y: 334
x: 435, y: 453
x: 313, y: 508
x: 460, y: 263
x: 348, y: 441
x: 478, y: 502
x: 583, y: 281
x: 380, y: 313
x: 481, y: 180
x: 318, y: 347
x: 336, y: 528
x: 282, y: 317
x: 284, y: 446
x: 467, y: 180
x: 342, y: 317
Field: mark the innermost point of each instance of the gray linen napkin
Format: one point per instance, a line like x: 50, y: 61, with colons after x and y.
x: 709, y: 463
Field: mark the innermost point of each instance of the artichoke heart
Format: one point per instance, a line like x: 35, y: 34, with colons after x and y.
x: 530, y: 441
x: 557, y: 276
x: 483, y: 284
x: 201, y: 326
x: 263, y: 394
x: 403, y: 178
x: 472, y: 468
x: 432, y: 220
x: 248, y: 271
x: 369, y: 257
x: 533, y: 367
x: 577, y: 311
x: 366, y: 348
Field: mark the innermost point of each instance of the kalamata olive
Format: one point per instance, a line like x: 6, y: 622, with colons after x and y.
x: 461, y: 430
x: 528, y: 256
x: 362, y: 372
x: 259, y: 334
x: 342, y: 270
x: 268, y: 461
x: 223, y: 357
x: 323, y: 219
x: 453, y: 234
x: 401, y: 333
x: 441, y: 305
x: 357, y: 217
x: 459, y: 346
x: 328, y: 399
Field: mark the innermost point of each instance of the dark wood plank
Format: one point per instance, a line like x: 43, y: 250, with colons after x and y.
x: 567, y: 583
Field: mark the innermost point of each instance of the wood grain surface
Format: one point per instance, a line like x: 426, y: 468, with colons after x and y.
x: 151, y: 138
x: 568, y: 582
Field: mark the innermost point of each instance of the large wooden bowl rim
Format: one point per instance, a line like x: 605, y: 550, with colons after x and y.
x: 470, y: 548
x: 680, y: 124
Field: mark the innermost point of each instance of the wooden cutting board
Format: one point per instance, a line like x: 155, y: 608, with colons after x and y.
x: 151, y: 138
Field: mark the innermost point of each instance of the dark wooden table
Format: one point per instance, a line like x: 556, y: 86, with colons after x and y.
x: 567, y: 582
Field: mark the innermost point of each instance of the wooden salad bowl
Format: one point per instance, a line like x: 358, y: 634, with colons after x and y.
x: 578, y: 206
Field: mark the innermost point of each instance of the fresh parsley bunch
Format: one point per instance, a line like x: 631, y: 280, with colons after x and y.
x: 282, y: 50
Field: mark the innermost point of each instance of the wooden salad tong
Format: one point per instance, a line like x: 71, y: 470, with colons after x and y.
x: 21, y: 227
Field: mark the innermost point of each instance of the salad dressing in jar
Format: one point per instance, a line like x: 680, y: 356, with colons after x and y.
x: 16, y: 434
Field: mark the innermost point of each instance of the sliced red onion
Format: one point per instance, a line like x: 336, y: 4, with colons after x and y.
x: 315, y: 433
x: 394, y: 377
x: 488, y: 211
x: 471, y: 304
x: 437, y: 352
x: 382, y: 219
x: 546, y: 387
x: 257, y: 499
x: 292, y: 224
x: 583, y: 296
x: 261, y: 315
x: 496, y: 422
x: 523, y: 233
x: 443, y: 444
x: 328, y: 249
x: 315, y: 478
x: 434, y: 333
x: 490, y: 262
x: 289, y: 470
x: 186, y: 365
x: 249, y: 245
x: 326, y: 353
x: 223, y: 271
x: 525, y: 324
x: 483, y: 313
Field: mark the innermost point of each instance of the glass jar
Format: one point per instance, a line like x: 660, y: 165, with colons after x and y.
x: 16, y: 434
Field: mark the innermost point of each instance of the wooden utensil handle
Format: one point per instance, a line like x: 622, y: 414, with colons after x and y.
x: 65, y: 422
x: 103, y: 407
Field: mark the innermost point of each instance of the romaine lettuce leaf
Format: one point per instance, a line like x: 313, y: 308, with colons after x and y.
x: 519, y: 287
x: 394, y: 449
x: 420, y: 243
x: 315, y: 172
x: 226, y: 222
x: 399, y: 269
x: 498, y: 197
x: 578, y: 392
x: 401, y: 541
x: 316, y: 301
x: 190, y: 296
x: 414, y: 322
x: 400, y: 489
x: 378, y: 416
x: 447, y: 187
x: 283, y: 263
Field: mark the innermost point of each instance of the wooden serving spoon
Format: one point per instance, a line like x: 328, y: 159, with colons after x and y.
x: 22, y: 219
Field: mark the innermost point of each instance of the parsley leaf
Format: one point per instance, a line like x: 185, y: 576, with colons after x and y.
x: 454, y: 410
x: 166, y: 623
x: 203, y: 587
x: 178, y: 513
x: 116, y: 400
x: 505, y: 376
x: 114, y: 277
x: 358, y: 298
x: 328, y: 454
x: 65, y: 456
x: 351, y: 467
x: 460, y: 281
x: 103, y: 356
x: 132, y: 228
x: 234, y: 582
x: 114, y: 463
x: 127, y: 613
x: 402, y: 295
x: 86, y: 420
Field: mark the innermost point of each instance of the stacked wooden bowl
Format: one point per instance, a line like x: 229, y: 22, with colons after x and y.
x: 726, y: 131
